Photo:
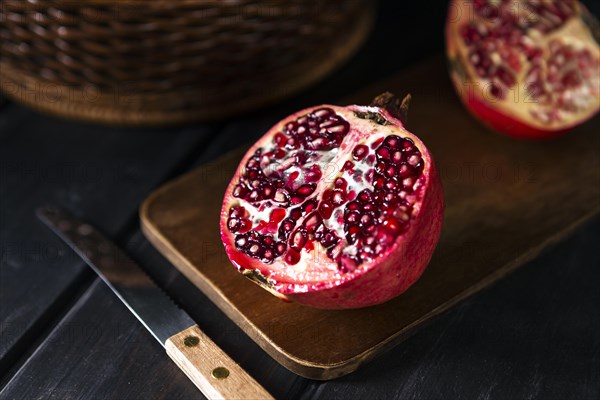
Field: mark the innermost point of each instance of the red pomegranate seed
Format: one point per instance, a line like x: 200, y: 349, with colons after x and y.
x: 298, y: 239
x: 306, y: 190
x: 277, y: 215
x: 360, y: 152
x: 348, y: 166
x: 325, y: 209
x: 292, y: 257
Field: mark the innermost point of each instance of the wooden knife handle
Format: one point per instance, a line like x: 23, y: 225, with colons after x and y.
x: 215, y: 374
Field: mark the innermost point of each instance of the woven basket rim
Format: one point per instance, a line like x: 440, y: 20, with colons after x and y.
x: 117, y: 115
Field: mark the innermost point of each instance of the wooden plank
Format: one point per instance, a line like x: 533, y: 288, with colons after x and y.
x: 494, y: 187
x: 99, y: 172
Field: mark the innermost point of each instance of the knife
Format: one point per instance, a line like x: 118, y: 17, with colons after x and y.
x: 212, y: 371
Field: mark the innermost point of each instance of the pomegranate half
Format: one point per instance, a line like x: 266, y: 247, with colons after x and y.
x: 527, y: 68
x: 335, y: 207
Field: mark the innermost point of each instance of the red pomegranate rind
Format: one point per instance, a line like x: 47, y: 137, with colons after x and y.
x: 332, y: 199
x: 506, y: 124
x: 526, y: 68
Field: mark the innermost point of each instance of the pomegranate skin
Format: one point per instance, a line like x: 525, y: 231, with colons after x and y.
x: 504, y: 123
x: 388, y: 275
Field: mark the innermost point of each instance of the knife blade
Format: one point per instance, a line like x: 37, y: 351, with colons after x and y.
x: 210, y: 368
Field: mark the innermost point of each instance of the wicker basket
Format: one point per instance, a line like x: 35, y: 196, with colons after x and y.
x: 138, y: 62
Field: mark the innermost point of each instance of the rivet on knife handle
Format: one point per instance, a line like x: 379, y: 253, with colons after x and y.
x: 215, y: 374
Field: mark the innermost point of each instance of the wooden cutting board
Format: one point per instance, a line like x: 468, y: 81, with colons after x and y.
x: 505, y: 201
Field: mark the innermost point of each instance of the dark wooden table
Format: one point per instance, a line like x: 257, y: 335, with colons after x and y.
x: 63, y: 335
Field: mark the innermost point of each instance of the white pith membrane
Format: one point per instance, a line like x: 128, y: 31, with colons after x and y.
x: 536, y: 61
x: 318, y: 263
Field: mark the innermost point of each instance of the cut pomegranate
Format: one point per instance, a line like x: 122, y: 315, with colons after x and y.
x: 335, y: 207
x: 527, y: 68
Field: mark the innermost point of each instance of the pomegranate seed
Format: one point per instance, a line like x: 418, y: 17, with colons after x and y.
x: 309, y: 206
x: 298, y: 239
x: 236, y: 212
x: 392, y: 141
x: 390, y: 171
x: 313, y: 174
x: 339, y: 128
x: 360, y: 151
x: 306, y: 190
x: 348, y: 264
x: 239, y: 191
x: 281, y: 196
x: 254, y: 195
x: 383, y: 153
x: 245, y: 225
x: 369, y: 241
x: 340, y: 183
x: 268, y: 192
x: 233, y: 224
x: 325, y: 209
x: 353, y: 205
x: 352, y: 217
x: 384, y: 238
x: 379, y: 196
x: 392, y: 224
x: 506, y: 77
x: 414, y: 159
x: 348, y: 166
x: 339, y: 198
x: 365, y: 256
x: 322, y: 112
x: 279, y: 249
x: 366, y: 219
x: 365, y: 196
x: 497, y: 91
x: 268, y: 255
x: 292, y: 257
x: 379, y: 183
x: 376, y: 143
x: 405, y: 171
x: 285, y: 228
x: 312, y: 222
x: 353, y: 232
x: 329, y: 239
x: 277, y: 215
x: 389, y: 197
x: 295, y: 214
x: 252, y: 164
